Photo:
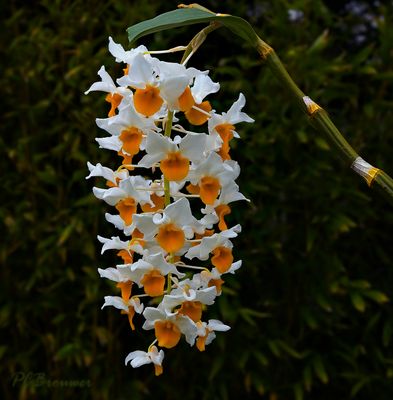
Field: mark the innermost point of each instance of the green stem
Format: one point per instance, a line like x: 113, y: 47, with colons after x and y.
x: 319, y: 118
x: 168, y: 130
x: 198, y: 39
x: 167, y: 189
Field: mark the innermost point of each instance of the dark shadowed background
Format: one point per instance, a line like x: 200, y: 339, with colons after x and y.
x: 309, y: 310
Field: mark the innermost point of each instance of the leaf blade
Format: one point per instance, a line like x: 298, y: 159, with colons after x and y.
x: 189, y: 16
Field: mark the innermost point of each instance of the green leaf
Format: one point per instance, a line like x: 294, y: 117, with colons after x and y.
x: 356, y: 388
x: 358, y: 302
x: 387, y: 333
x: 298, y: 391
x: 377, y: 296
x: 288, y: 349
x: 262, y: 359
x: 320, y: 371
x: 307, y: 378
x: 189, y: 16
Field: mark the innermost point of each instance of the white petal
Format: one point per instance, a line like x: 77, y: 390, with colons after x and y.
x: 235, y: 115
x: 116, y: 302
x: 193, y: 146
x: 203, y: 86
x: 137, y: 358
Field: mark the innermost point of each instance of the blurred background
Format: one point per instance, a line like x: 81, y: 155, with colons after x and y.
x: 309, y: 310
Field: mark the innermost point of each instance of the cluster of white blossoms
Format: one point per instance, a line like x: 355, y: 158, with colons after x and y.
x: 161, y: 179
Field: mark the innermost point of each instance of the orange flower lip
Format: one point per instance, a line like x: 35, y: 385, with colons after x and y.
x: 222, y: 210
x: 131, y: 138
x: 196, y: 117
x: 175, y: 167
x: 222, y: 258
x: 153, y: 283
x: 148, y: 101
x: 167, y: 334
x: 114, y: 99
x: 192, y: 309
x: 186, y: 101
x: 126, y: 208
x: 225, y: 132
x: 209, y: 189
x: 170, y: 237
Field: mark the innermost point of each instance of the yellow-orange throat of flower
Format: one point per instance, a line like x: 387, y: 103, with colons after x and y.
x: 222, y: 210
x: 125, y: 288
x: 192, y: 309
x: 130, y: 314
x: 185, y: 100
x: 195, y: 117
x: 159, y: 204
x: 222, y: 258
x: 126, y: 208
x: 170, y: 237
x: 209, y: 188
x: 131, y: 138
x: 167, y: 334
x: 175, y: 167
x: 114, y: 99
x: 153, y: 283
x: 147, y: 101
x: 226, y: 133
x: 126, y: 256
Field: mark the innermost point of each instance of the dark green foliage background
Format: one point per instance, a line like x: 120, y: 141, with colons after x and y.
x: 309, y: 309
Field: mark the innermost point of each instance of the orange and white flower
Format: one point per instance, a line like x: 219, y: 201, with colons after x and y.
x: 190, y: 301
x: 149, y: 272
x: 156, y: 83
x: 125, y: 56
x: 112, y: 177
x: 152, y: 356
x: 197, y: 110
x: 206, y: 333
x: 220, y: 207
x: 128, y: 129
x: 169, y: 327
x: 174, y: 155
x: 223, y: 125
x: 115, y: 93
x: 212, y: 175
x: 127, y: 306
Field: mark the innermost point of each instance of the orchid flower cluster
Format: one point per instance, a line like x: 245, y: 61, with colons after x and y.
x: 160, y: 180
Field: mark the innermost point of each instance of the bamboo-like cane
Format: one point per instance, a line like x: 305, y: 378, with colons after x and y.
x: 319, y: 118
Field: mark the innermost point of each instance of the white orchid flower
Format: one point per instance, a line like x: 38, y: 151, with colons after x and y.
x: 115, y: 93
x: 129, y: 307
x: 211, y: 176
x: 125, y: 196
x: 149, y: 272
x: 139, y: 357
x: 175, y: 225
x: 199, y: 111
x: 112, y: 177
x: 128, y: 127
x: 174, y: 155
x: 125, y: 56
x: 222, y: 127
x: 220, y: 207
x: 206, y: 332
x: 169, y: 327
x: 156, y: 83
x: 191, y: 305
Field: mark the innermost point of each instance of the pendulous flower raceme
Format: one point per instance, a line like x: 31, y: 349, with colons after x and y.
x: 171, y: 264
